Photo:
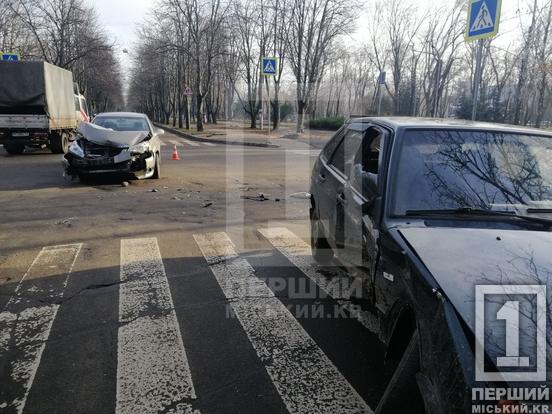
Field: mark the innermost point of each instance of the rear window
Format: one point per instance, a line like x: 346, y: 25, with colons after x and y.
x: 122, y: 123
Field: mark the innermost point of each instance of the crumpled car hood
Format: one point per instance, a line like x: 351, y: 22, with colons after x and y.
x: 117, y: 139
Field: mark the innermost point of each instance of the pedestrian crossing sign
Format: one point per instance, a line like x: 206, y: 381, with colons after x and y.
x: 269, y: 66
x: 483, y: 19
x: 9, y: 57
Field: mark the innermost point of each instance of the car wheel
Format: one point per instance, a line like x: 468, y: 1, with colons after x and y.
x: 84, y: 178
x: 403, y: 383
x: 59, y: 143
x: 157, y: 170
x: 14, y: 149
x: 321, y: 250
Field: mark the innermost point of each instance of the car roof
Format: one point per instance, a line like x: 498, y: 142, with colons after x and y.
x: 122, y: 114
x: 446, y: 123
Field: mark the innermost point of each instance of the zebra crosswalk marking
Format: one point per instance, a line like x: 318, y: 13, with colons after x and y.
x: 191, y: 143
x: 299, y: 253
x: 27, y: 319
x: 303, y: 375
x: 153, y: 374
x: 174, y: 142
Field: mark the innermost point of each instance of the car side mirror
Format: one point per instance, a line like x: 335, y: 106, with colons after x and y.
x: 160, y: 131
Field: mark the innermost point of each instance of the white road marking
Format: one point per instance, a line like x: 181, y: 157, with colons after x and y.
x: 310, y: 153
x: 299, y: 253
x: 191, y: 143
x: 153, y: 374
x: 27, y: 318
x: 174, y: 142
x: 305, y: 378
x: 209, y: 144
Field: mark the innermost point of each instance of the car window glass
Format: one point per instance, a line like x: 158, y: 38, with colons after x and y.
x: 484, y: 169
x: 343, y: 156
x: 368, y: 154
x: 366, y: 162
x: 122, y: 123
x: 332, y: 145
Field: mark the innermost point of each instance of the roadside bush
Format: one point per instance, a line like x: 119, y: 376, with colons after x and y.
x: 330, y: 123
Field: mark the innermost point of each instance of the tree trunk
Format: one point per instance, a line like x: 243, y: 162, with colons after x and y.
x: 300, y: 116
x: 199, y: 120
x: 187, y: 114
x: 276, y: 113
x: 253, y: 118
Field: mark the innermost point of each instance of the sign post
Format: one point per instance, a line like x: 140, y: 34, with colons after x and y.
x: 9, y: 57
x: 188, y: 93
x: 381, y: 82
x: 483, y: 23
x: 269, y: 66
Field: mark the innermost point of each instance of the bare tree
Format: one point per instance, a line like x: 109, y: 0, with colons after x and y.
x: 313, y: 27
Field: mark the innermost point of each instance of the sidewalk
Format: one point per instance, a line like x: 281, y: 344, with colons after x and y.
x: 238, y: 133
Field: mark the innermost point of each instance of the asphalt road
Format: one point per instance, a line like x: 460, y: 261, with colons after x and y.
x: 179, y: 295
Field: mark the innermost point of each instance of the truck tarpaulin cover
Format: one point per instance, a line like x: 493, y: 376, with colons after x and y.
x: 41, y: 86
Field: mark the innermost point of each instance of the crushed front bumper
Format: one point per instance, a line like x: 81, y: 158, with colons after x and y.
x: 139, y: 165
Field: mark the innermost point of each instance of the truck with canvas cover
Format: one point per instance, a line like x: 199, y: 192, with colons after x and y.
x: 38, y: 107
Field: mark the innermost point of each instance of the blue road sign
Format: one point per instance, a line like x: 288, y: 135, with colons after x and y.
x: 270, y: 66
x: 9, y: 57
x: 483, y: 19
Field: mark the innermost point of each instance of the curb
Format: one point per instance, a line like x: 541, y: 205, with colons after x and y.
x: 214, y: 141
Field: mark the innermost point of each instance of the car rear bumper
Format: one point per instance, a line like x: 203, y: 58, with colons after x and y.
x: 24, y: 137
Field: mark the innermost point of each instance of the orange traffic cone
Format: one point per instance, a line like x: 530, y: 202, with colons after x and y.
x: 175, y: 156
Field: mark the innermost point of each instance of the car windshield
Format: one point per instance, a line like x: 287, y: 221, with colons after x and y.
x: 120, y: 123
x: 451, y: 169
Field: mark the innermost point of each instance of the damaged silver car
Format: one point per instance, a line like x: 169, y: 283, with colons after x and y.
x: 116, y: 142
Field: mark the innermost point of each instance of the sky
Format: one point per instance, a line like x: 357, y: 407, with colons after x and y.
x: 121, y: 17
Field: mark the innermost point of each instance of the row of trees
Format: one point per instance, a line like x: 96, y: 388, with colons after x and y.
x: 65, y: 33
x: 214, y: 48
x: 430, y: 68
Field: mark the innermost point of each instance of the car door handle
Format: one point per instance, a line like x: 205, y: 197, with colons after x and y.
x: 341, y: 198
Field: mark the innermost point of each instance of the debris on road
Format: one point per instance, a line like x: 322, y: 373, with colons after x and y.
x: 277, y: 200
x: 177, y: 198
x: 68, y: 222
x: 154, y: 190
x: 125, y: 184
x: 302, y: 195
x: 260, y: 197
x: 209, y: 204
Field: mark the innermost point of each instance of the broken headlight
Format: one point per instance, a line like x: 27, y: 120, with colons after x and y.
x: 140, y: 148
x: 76, y: 149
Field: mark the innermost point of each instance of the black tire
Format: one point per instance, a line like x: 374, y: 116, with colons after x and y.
x: 59, y: 143
x: 84, y: 178
x: 402, y: 394
x: 157, y: 170
x: 321, y: 250
x: 14, y: 149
